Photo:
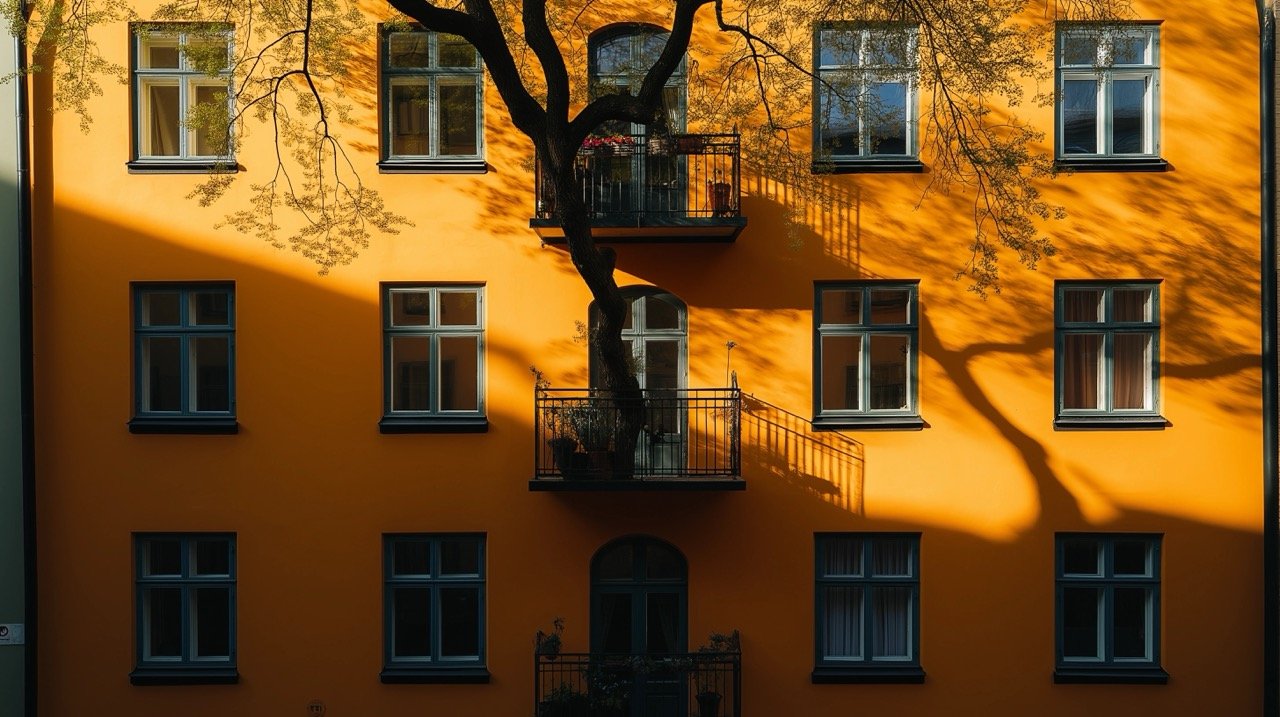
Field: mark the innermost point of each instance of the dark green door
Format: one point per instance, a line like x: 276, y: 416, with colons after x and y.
x: 639, y: 605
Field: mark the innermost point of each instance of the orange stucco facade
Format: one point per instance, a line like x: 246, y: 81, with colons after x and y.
x: 309, y: 486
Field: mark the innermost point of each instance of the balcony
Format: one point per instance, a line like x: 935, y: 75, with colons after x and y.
x: 683, y: 188
x: 667, y: 439
x: 700, y: 684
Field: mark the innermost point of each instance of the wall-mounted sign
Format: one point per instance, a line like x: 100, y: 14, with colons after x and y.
x: 12, y: 633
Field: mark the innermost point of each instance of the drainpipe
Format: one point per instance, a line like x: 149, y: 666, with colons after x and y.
x: 27, y: 375
x: 1270, y: 354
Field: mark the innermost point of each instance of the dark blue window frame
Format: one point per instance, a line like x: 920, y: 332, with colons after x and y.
x: 1105, y: 580
x: 188, y: 581
x: 417, y: 596
x: 866, y: 668
x: 188, y: 417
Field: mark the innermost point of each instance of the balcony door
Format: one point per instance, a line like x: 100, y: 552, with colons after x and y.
x: 639, y: 607
x: 657, y: 332
x: 645, y: 182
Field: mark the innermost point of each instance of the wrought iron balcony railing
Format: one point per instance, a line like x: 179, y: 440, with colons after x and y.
x: 586, y: 439
x: 699, y: 684
x: 685, y: 185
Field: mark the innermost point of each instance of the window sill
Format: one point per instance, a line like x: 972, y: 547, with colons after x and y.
x: 1110, y: 423
x: 433, y: 424
x: 869, y: 166
x: 185, y: 675
x: 858, y: 423
x: 433, y: 166
x: 870, y: 675
x: 189, y: 425
x: 181, y: 166
x: 1112, y: 164
x: 435, y: 676
x: 1110, y: 676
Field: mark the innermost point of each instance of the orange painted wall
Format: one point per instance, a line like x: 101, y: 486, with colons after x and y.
x: 309, y: 485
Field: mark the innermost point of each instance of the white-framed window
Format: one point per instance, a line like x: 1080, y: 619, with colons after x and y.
x: 433, y: 101
x: 1107, y: 351
x: 865, y: 102
x: 182, y: 94
x: 1108, y: 608
x: 866, y: 345
x: 434, y: 356
x: 1108, y: 91
x: 867, y: 607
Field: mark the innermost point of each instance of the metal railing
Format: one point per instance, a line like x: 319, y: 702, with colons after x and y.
x: 634, y: 178
x: 699, y: 684
x: 585, y: 434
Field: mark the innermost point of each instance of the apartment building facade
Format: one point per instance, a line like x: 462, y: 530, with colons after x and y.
x: 265, y: 491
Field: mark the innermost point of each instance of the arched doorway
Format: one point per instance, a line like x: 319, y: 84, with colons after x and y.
x: 639, y: 607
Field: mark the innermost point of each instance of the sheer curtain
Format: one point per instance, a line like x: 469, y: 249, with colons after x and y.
x: 891, y: 606
x: 1082, y: 353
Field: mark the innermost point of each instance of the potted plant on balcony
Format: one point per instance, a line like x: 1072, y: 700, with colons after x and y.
x: 564, y: 701
x: 719, y: 194
x: 548, y: 644
x: 607, y: 145
x: 690, y: 143
x: 704, y: 675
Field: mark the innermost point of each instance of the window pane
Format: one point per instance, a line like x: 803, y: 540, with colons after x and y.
x: 211, y: 374
x: 410, y: 118
x: 459, y: 116
x: 1080, y: 117
x: 1131, y: 558
x: 213, y: 622
x: 889, y: 355
x: 887, y: 118
x: 163, y: 615
x: 842, y: 623
x: 213, y: 557
x: 1081, y: 557
x: 210, y: 308
x: 1128, y: 121
x: 842, y: 556
x: 455, y: 52
x: 407, y: 49
x: 1129, y: 50
x: 162, y: 115
x: 410, y: 308
x: 661, y: 313
x: 842, y: 306
x: 838, y: 47
x: 459, y: 373
x: 163, y: 557
x: 662, y: 563
x: 887, y: 49
x: 1080, y: 609
x: 410, y: 373
x: 1082, y: 305
x: 1080, y: 49
x: 160, y: 53
x: 615, y: 619
x: 1081, y: 371
x: 162, y: 373
x: 1131, y: 305
x: 615, y: 564
x: 210, y: 134
x: 459, y: 622
x: 1131, y: 372
x: 411, y: 622
x: 891, y: 557
x: 459, y: 308
x: 840, y: 372
x: 459, y: 556
x: 889, y: 306
x: 1132, y: 613
x: 161, y: 308
x: 661, y: 622
x: 411, y: 557
x: 891, y: 623
x: 839, y: 117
